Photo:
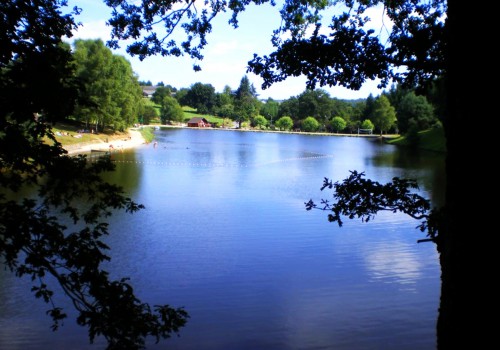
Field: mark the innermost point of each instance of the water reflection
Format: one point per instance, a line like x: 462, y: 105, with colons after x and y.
x: 393, y: 262
x: 428, y: 167
x: 225, y: 234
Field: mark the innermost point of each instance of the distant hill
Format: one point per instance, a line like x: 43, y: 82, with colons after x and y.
x: 354, y: 102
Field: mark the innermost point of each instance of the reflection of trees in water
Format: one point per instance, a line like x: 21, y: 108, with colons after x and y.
x: 428, y: 168
x: 128, y: 171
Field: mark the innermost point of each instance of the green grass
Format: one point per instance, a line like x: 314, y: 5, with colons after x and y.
x: 191, y: 113
x: 429, y: 140
x: 147, y: 134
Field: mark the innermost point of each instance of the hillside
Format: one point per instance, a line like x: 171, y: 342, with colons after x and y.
x: 429, y: 140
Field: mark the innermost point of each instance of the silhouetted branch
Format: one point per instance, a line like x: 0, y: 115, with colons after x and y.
x: 358, y: 197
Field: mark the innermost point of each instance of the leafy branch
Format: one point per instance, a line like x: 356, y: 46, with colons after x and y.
x: 59, y: 234
x: 358, y: 197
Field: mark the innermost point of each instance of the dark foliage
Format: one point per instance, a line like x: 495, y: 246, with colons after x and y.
x: 52, y: 206
x: 358, y: 197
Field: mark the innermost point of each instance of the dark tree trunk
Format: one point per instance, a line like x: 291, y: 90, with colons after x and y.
x: 464, y: 293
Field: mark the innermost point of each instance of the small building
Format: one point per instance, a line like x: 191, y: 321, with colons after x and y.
x: 148, y: 91
x: 198, y: 122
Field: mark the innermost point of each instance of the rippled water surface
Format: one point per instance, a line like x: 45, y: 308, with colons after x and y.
x: 226, y: 235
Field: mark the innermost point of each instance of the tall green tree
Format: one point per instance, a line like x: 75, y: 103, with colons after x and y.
x: 289, y: 108
x: 200, y: 96
x: 396, y: 94
x: 180, y: 96
x: 110, y: 89
x: 160, y: 93
x: 245, y: 101
x: 127, y: 94
x: 224, y: 106
x: 415, y: 110
x: 356, y: 116
x: 384, y: 115
x: 93, y: 61
x: 270, y: 110
x: 147, y: 112
x: 315, y: 103
x: 369, y: 107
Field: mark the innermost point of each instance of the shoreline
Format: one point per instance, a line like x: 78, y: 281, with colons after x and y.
x: 134, y: 139
x: 384, y: 136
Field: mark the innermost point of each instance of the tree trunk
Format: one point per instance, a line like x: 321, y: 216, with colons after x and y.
x: 464, y: 290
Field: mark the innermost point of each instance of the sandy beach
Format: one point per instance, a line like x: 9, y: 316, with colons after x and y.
x: 133, y: 140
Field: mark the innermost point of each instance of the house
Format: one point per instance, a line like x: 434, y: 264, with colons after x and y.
x: 148, y: 91
x: 198, y: 122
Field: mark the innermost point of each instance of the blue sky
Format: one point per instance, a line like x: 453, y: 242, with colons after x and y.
x: 225, y: 56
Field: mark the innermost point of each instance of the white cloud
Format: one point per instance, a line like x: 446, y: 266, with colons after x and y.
x: 93, y: 30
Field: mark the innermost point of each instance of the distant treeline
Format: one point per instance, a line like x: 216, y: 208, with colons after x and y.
x: 114, y: 98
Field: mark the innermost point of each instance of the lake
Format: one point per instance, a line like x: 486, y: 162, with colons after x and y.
x: 225, y: 234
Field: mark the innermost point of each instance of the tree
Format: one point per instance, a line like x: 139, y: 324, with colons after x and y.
x: 160, y: 93
x: 93, y: 60
x: 338, y: 124
x: 384, y: 115
x: 367, y: 124
x: 414, y: 110
x: 51, y: 239
x: 180, y: 96
x: 200, y: 96
x: 369, y: 107
x: 147, y: 113
x: 259, y: 122
x: 270, y: 110
x: 171, y: 110
x: 396, y: 94
x: 289, y: 107
x: 285, y: 123
x: 310, y: 124
x: 126, y: 92
x: 350, y: 111
x: 245, y: 101
x: 224, y: 106
x: 111, y: 91
x: 315, y: 103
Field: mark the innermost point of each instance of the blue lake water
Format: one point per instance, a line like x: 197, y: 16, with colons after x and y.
x: 225, y: 234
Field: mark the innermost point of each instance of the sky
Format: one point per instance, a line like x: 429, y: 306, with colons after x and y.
x: 225, y: 57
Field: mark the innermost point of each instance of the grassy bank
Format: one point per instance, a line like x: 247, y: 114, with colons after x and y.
x: 67, y: 133
x: 147, y: 133
x: 429, y: 140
